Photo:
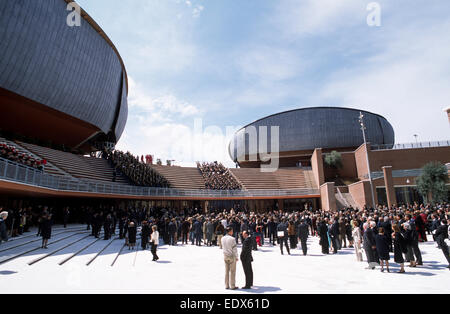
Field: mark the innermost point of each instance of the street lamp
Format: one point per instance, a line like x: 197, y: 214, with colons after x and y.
x: 363, y: 128
x: 417, y: 143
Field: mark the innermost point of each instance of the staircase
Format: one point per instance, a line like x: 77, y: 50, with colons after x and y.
x: 188, y: 178
x: 344, y: 200
x: 80, y: 167
x: 50, y: 168
x: 285, y: 178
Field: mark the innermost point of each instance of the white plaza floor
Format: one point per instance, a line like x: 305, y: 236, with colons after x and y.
x: 200, y: 270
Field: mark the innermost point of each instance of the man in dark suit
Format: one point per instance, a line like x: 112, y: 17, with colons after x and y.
x: 303, y: 231
x: 198, y: 232
x: 247, y: 259
x: 334, y: 235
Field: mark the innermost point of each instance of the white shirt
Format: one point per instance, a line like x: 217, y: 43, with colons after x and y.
x: 229, y: 246
x: 155, y: 237
x: 224, y: 223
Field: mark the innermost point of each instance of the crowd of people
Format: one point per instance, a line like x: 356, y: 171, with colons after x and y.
x: 137, y: 171
x: 374, y: 233
x: 218, y: 177
x: 12, y: 153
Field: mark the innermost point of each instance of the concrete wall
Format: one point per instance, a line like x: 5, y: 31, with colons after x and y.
x: 328, y: 197
x: 408, y: 158
x: 360, y: 192
x: 318, y: 166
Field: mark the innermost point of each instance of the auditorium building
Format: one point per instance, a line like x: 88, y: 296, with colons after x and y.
x: 63, y: 96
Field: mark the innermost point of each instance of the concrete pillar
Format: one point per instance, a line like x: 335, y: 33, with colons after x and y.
x: 389, y: 184
x: 328, y: 196
x: 317, y: 166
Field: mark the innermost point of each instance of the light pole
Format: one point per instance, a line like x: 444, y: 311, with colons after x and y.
x: 363, y: 128
x: 417, y: 143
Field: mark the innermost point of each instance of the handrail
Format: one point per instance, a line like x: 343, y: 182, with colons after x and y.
x: 15, y: 172
x: 428, y: 144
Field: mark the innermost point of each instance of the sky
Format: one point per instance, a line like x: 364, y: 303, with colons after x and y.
x: 200, y: 69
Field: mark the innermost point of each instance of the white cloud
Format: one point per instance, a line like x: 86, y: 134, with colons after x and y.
x: 407, y: 83
x: 170, y: 129
x: 269, y: 63
x: 294, y: 17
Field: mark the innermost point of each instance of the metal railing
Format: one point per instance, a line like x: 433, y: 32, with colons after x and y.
x: 400, y: 173
x: 11, y: 171
x: 411, y: 145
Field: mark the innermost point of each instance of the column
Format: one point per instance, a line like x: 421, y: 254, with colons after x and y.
x: 389, y: 184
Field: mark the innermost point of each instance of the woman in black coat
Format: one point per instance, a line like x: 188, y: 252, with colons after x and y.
x: 399, y: 247
x: 46, y: 230
x: 369, y: 244
x: 408, y: 235
x: 382, y: 243
x: 131, y: 235
x: 322, y: 231
x: 145, y: 234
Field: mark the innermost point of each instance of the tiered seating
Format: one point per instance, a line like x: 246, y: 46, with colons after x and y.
x: 78, y: 166
x: 49, y: 167
x: 218, y: 177
x: 104, y: 166
x: 182, y: 177
x: 285, y: 178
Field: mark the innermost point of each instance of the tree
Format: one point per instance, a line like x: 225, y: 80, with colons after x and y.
x: 333, y: 160
x: 159, y: 162
x: 432, y: 182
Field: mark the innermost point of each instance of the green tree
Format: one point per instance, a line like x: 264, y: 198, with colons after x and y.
x: 432, y: 182
x: 333, y: 160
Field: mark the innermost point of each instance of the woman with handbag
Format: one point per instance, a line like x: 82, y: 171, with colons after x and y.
x: 282, y: 233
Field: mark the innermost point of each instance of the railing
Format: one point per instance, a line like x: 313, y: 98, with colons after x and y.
x: 411, y: 145
x: 400, y: 173
x: 14, y: 172
x: 397, y: 173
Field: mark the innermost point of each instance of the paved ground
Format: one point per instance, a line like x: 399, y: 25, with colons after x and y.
x: 199, y: 270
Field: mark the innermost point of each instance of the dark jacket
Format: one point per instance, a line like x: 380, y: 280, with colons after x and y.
x: 185, y: 225
x: 145, y: 233
x: 197, y: 228
x: 132, y: 234
x: 441, y: 234
x: 246, y: 253
x: 172, y: 228
x: 369, y: 239
x: 335, y: 230
x: 382, y: 242
x: 399, y: 248
x: 303, y: 231
x: 283, y: 227
x: 46, y: 228
x: 3, y: 231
